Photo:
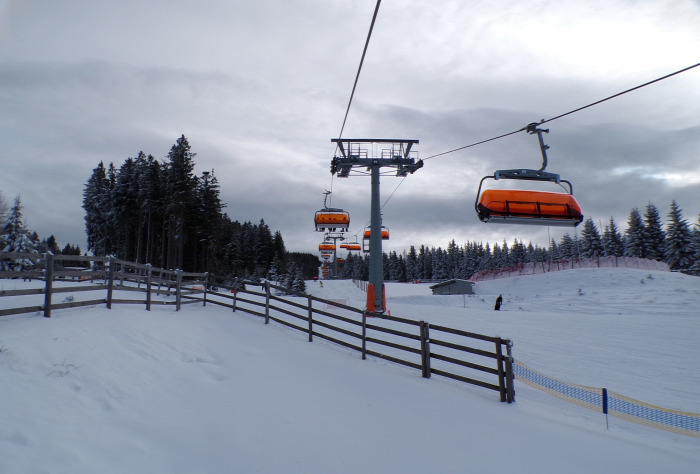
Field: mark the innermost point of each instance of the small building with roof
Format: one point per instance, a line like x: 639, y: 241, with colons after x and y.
x: 453, y: 287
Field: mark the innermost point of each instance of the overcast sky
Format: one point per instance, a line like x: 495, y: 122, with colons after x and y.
x: 259, y: 88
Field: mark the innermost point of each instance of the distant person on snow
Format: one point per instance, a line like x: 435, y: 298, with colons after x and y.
x: 321, y: 283
x: 499, y: 302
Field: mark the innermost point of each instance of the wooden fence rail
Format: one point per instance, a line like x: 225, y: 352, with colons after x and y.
x: 101, y: 274
x: 434, y: 350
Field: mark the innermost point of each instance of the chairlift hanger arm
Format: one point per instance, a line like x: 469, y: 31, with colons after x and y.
x: 529, y: 174
x: 532, y: 129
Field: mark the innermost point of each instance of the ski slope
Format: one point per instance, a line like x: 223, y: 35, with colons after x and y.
x: 585, y: 326
x: 207, y: 390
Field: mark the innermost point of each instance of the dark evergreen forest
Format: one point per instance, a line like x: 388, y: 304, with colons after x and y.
x: 160, y: 212
x: 645, y: 237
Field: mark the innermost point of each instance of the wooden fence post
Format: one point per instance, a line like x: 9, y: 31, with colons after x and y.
x: 364, y: 335
x: 235, y: 293
x: 267, y: 302
x: 206, y: 285
x: 501, y: 372
x: 123, y: 272
x: 510, y: 376
x: 160, y: 279
x: 311, y: 320
x: 178, y: 289
x: 149, y: 273
x: 110, y: 282
x: 49, y: 284
x: 425, y: 348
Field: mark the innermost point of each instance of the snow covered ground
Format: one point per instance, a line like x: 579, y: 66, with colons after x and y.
x: 205, y: 390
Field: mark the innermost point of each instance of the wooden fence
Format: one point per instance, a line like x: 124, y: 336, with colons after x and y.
x: 103, y: 275
x: 432, y: 349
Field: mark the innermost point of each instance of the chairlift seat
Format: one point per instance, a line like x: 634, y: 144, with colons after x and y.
x: 384, y: 232
x: 509, y: 206
x: 332, y: 219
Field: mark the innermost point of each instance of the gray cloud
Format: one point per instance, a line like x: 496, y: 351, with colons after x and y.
x: 260, y: 88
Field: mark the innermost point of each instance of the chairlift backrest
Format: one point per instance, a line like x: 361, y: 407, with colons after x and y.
x: 326, y: 246
x: 384, y: 231
x: 332, y: 220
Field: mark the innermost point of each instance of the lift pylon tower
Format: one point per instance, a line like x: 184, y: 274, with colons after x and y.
x: 367, y: 156
x: 334, y: 237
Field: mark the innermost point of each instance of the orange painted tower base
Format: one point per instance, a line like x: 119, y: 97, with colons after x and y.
x: 371, y: 298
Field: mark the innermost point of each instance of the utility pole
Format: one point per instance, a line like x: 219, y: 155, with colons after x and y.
x: 365, y: 156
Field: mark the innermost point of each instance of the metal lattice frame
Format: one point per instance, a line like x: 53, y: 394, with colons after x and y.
x: 368, y: 156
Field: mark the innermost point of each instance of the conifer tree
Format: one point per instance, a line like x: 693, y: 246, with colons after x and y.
x: 425, y: 263
x: 504, y: 256
x: 208, y: 222
x: 97, y: 202
x: 634, y: 235
x: 468, y: 265
x: 567, y: 247
x: 518, y: 253
x: 533, y: 253
x: 554, y: 252
x: 452, y: 259
x: 263, y: 246
x: 299, y: 285
x: 654, y: 236
x: 280, y: 250
x: 679, y: 248
x: 126, y: 210
x: 17, y: 238
x: 181, y: 201
x: 439, y: 263
x: 412, y: 271
x: 613, y: 243
x: 4, y: 209
x: 591, y: 244
x: 52, y: 245
x: 485, y: 258
x: 151, y: 213
x: 273, y: 273
x: 291, y: 277
x: 695, y: 267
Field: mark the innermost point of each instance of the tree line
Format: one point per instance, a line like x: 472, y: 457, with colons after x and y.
x: 160, y: 212
x: 645, y: 237
x: 15, y: 236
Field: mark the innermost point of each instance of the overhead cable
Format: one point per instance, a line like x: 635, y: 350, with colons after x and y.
x: 362, y: 60
x: 392, y: 194
x: 568, y: 113
x: 357, y: 76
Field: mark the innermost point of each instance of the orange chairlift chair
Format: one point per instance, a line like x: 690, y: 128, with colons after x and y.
x: 331, y: 219
x: 508, y: 206
x: 368, y: 232
x: 351, y: 246
x: 326, y: 246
